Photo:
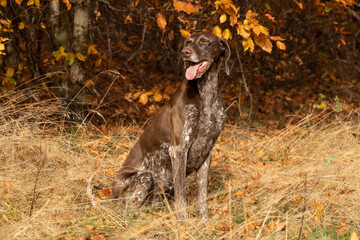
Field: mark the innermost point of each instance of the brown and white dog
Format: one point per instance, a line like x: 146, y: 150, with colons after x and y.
x: 179, y: 139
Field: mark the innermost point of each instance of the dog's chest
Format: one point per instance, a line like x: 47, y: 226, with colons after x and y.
x: 209, y: 126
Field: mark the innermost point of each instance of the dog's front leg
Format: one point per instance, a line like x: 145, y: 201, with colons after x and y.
x: 202, y: 182
x: 179, y: 159
x: 184, y: 137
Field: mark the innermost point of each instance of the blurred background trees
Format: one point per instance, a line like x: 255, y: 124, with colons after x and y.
x: 118, y: 61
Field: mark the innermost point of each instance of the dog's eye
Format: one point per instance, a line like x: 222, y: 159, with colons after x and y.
x: 204, y: 42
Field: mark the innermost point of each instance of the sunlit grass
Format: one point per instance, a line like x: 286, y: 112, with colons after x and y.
x: 262, y: 182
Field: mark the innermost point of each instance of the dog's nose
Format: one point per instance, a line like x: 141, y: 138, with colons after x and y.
x: 186, y: 52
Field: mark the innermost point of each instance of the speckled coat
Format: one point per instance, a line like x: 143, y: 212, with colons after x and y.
x: 179, y: 139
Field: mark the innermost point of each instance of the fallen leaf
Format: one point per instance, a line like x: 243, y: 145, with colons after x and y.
x: 104, y: 193
x: 157, y: 97
x: 90, y: 228
x: 143, y: 99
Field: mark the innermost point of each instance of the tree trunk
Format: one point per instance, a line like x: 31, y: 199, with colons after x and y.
x: 77, y: 71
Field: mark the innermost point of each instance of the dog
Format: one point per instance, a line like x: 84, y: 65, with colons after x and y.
x: 178, y: 140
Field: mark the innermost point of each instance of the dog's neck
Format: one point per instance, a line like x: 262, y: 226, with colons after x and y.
x: 208, y: 84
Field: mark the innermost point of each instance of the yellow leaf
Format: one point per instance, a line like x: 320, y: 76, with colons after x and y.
x: 143, y: 99
x: 243, y: 32
x: 185, y: 33
x: 68, y: 5
x: 157, y: 97
x: 9, y: 72
x: 42, y: 25
x: 61, y: 49
x: 161, y: 21
x: 251, y: 44
x: 264, y: 30
x: 149, y: 93
x: 21, y: 25
x: 222, y: 18
x: 3, y: 3
x: 281, y: 45
x: 354, y: 236
x: 37, y: 3
x: 260, y: 153
x: 44, y: 85
x: 2, y: 47
x: 217, y: 31
x: 227, y: 34
x: 30, y: 2
x: 18, y: 2
x: 80, y: 57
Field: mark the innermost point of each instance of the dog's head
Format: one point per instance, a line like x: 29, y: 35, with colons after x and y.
x: 201, y: 51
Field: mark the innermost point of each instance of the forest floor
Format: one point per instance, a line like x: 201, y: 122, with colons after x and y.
x: 264, y: 183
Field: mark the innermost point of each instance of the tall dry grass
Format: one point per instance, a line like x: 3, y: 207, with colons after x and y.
x: 264, y: 184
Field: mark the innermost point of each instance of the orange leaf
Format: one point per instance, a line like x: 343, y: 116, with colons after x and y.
x: 104, y: 193
x: 281, y: 45
x: 98, y: 62
x: 68, y: 5
x: 277, y: 38
x: 18, y: 2
x: 89, y: 83
x: 342, y: 231
x: 300, y: 5
x: 161, y: 21
x: 143, y: 99
x: 136, y: 95
x: 185, y: 33
x: 185, y: 7
x: 318, y: 209
x: 157, y: 97
x: 270, y: 17
x: 256, y: 30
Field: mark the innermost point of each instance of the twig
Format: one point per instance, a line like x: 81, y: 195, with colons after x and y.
x: 353, y: 13
x: 304, y: 209
x: 41, y: 164
x: 263, y: 224
x: 116, y: 75
x: 245, y: 84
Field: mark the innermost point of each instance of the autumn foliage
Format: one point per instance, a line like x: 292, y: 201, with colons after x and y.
x: 286, y: 165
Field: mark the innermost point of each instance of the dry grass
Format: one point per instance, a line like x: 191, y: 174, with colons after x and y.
x: 262, y: 183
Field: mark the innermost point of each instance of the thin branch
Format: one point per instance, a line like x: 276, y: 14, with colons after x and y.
x: 244, y: 81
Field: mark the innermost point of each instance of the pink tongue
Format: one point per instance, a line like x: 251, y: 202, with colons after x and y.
x: 191, y: 71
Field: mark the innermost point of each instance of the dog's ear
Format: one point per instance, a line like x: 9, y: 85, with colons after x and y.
x: 226, y: 48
